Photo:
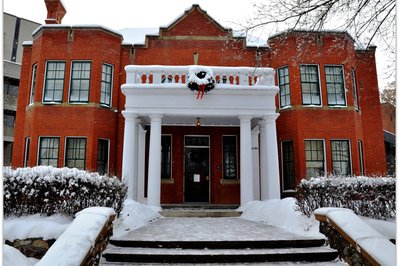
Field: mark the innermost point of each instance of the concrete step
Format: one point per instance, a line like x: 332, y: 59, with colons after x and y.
x: 223, y: 244
x: 162, y: 255
x: 200, y: 213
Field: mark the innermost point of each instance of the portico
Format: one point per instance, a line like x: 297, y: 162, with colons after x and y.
x: 243, y: 97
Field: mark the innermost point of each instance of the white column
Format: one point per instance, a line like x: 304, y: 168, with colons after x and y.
x: 255, y: 162
x: 154, y: 163
x: 262, y: 161
x: 129, y: 154
x: 246, y: 173
x: 141, y: 165
x: 271, y: 167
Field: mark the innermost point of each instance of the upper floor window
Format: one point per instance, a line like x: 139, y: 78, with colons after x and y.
x: 10, y: 86
x: 80, y: 82
x: 75, y: 155
x: 341, y: 163
x: 284, y: 85
x: 48, y: 151
x: 315, y: 165
x: 310, y: 85
x: 230, y: 157
x: 54, y: 82
x: 33, y: 84
x: 354, y: 86
x: 106, y: 85
x: 335, y: 85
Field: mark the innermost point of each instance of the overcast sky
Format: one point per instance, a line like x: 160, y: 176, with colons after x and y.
x: 120, y: 14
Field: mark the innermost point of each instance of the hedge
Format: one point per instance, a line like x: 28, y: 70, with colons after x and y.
x: 372, y: 197
x: 49, y: 190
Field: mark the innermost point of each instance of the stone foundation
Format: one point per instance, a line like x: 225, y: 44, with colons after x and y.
x: 32, y: 247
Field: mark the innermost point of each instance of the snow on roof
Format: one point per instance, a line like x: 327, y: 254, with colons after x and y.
x: 78, y: 26
x: 137, y: 36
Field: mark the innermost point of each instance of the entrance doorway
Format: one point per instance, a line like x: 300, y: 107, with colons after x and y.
x: 196, y: 169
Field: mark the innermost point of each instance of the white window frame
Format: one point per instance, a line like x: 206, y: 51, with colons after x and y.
x: 324, y: 154
x: 33, y: 85
x: 109, y: 152
x: 289, y: 87
x: 112, y: 85
x: 28, y: 141
x: 65, y: 148
x: 39, y: 146
x: 282, y: 163
x: 171, y: 157
x: 70, y: 81
x: 237, y: 171
x: 350, y: 154
x: 344, y: 84
x: 320, y: 90
x: 45, y: 81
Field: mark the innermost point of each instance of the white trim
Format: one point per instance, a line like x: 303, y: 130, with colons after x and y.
x: 65, y: 148
x: 26, y: 155
x: 350, y: 154
x: 70, y: 80
x: 320, y: 89
x: 279, y: 90
x: 38, y: 148
x: 344, y: 84
x: 237, y: 178
x: 112, y: 84
x: 45, y: 79
x: 360, y: 151
x: 33, y: 81
x: 389, y: 132
x: 324, y: 154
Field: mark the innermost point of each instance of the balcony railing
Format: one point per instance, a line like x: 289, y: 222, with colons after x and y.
x: 225, y: 77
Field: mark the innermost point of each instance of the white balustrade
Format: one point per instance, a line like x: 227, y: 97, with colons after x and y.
x: 236, y: 76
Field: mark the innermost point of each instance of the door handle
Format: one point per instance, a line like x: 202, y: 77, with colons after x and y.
x: 207, y: 178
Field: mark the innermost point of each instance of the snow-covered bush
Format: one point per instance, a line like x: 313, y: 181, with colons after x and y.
x: 367, y: 196
x: 49, y: 190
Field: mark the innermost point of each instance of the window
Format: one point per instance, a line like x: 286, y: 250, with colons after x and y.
x: 33, y: 85
x: 230, y: 157
x: 314, y: 158
x: 354, y: 86
x: 48, y: 151
x: 75, y: 153
x: 54, y: 82
x: 106, y: 85
x: 166, y: 157
x: 288, y: 165
x: 11, y: 86
x: 284, y: 84
x: 102, y: 156
x: 80, y: 82
x: 27, y: 149
x: 361, y: 160
x: 340, y: 152
x: 335, y: 85
x: 310, y: 85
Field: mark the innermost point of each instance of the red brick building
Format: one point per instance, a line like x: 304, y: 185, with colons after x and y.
x: 70, y: 107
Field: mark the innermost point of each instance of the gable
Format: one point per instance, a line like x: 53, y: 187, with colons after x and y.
x: 195, y: 22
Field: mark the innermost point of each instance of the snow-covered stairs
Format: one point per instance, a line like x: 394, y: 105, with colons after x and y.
x: 200, y: 211
x: 213, y: 240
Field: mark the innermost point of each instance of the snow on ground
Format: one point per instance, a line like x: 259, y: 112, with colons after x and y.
x: 278, y: 213
x: 13, y: 257
x: 133, y: 216
x: 282, y: 214
x: 37, y: 225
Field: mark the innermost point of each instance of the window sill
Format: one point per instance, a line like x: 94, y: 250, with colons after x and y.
x: 312, y: 106
x: 285, y: 108
x: 229, y: 181
x: 337, y: 106
x: 167, y: 181
x: 80, y: 103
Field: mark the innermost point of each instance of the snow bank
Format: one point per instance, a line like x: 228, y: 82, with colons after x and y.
x: 77, y: 240
x: 13, y: 257
x: 133, y: 216
x: 282, y: 214
x: 37, y: 225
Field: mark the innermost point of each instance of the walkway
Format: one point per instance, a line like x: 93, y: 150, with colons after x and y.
x: 208, y: 229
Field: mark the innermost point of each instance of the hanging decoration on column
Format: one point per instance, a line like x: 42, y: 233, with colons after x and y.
x: 200, y: 79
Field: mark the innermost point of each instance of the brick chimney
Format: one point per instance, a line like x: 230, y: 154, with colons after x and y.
x: 55, y: 11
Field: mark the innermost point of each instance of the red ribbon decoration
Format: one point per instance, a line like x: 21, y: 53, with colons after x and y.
x: 201, y: 91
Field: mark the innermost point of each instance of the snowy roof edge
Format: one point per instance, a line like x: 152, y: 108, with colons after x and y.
x: 77, y: 26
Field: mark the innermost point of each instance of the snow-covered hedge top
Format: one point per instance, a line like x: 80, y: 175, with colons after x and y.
x: 50, y: 190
